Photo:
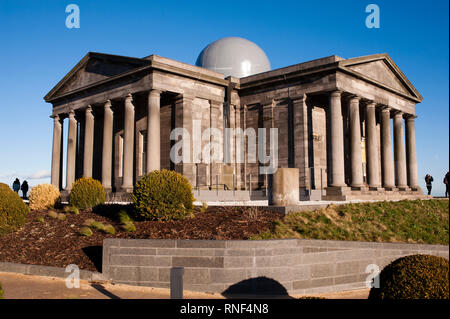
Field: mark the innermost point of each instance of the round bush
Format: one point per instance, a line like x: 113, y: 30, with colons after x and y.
x: 43, y: 196
x: 163, y: 195
x: 414, y: 277
x: 13, y: 211
x: 87, y: 193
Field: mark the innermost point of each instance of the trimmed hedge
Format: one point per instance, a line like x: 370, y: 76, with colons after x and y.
x: 163, y: 195
x: 87, y: 193
x: 13, y: 211
x: 43, y: 196
x: 414, y: 277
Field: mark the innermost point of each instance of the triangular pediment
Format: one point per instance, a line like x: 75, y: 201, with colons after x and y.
x: 381, y: 69
x: 93, y: 68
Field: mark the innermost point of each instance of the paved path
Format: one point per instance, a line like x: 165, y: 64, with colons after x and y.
x: 18, y: 286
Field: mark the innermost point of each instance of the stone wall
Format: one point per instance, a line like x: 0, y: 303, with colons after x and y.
x: 295, y: 265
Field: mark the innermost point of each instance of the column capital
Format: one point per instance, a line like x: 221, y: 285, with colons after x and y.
x: 129, y: 97
x: 336, y: 93
x: 354, y: 97
x: 301, y: 97
x: 107, y: 104
x: 410, y: 117
x: 385, y: 109
x: 88, y: 109
x: 215, y: 104
x: 154, y: 92
x: 398, y: 113
x: 55, y: 117
x: 370, y: 103
x: 71, y: 113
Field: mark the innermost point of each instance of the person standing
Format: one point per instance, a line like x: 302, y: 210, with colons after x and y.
x: 428, y: 180
x: 24, y: 189
x: 16, y: 185
x: 447, y: 184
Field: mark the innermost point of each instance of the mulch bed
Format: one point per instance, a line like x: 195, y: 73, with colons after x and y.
x: 57, y: 243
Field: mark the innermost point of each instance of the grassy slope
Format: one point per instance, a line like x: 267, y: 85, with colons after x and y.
x: 418, y: 221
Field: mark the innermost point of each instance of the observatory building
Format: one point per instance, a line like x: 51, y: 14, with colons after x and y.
x: 333, y: 118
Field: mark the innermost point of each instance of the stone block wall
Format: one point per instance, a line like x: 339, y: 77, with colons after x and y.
x: 296, y: 266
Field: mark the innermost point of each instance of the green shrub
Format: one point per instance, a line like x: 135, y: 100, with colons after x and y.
x: 40, y: 219
x: 1, y: 291
x: 109, y: 229
x: 52, y: 214
x: 86, y: 231
x: 128, y: 227
x: 87, y: 193
x: 414, y: 277
x: 72, y: 210
x: 88, y: 222
x: 13, y: 211
x: 163, y: 195
x: 43, y: 196
x: 62, y: 216
x: 97, y: 226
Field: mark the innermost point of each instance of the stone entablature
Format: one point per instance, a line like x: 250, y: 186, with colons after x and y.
x: 333, y: 116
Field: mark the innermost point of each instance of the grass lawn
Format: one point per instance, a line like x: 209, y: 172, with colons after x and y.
x: 416, y: 221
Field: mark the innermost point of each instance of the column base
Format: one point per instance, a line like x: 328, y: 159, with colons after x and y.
x: 376, y: 188
x: 359, y: 188
x: 338, y: 193
x: 390, y: 188
x: 126, y: 189
x: 403, y: 188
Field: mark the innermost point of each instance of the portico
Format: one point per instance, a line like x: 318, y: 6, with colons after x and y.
x: 333, y: 117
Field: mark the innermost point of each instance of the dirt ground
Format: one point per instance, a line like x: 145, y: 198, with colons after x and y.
x: 18, y: 286
x: 54, y: 242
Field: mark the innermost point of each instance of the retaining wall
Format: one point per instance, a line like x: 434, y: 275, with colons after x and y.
x: 294, y: 265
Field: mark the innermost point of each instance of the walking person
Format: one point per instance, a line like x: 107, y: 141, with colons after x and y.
x: 16, y: 185
x: 428, y: 180
x: 24, y: 189
x: 447, y: 184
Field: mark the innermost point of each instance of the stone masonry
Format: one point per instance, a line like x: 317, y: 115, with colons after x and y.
x: 333, y: 115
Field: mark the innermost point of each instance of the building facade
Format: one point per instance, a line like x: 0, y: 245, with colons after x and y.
x: 334, y: 118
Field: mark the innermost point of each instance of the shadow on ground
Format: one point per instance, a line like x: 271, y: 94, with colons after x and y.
x: 94, y: 253
x: 259, y: 287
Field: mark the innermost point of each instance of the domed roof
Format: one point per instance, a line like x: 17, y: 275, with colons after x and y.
x: 234, y: 56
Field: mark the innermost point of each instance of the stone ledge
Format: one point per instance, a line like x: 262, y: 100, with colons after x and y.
x: 48, y: 271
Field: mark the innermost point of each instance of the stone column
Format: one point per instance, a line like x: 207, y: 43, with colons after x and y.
x: 300, y: 134
x: 88, y: 142
x: 355, y: 140
x: 128, y: 145
x: 411, y: 153
x: 107, y: 146
x: 399, y: 152
x: 337, y: 141
x: 56, y: 151
x: 153, y: 131
x: 386, y: 149
x: 71, y: 151
x: 372, y: 147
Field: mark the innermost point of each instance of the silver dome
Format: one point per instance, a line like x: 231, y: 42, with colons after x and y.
x: 234, y: 56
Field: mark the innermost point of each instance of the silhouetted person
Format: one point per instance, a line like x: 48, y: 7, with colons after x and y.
x: 16, y: 185
x: 428, y: 180
x: 447, y: 184
x: 24, y: 189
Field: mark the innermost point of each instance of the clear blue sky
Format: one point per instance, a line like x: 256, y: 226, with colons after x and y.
x: 37, y: 50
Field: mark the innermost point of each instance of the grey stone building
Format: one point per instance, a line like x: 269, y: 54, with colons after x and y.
x: 334, y: 119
